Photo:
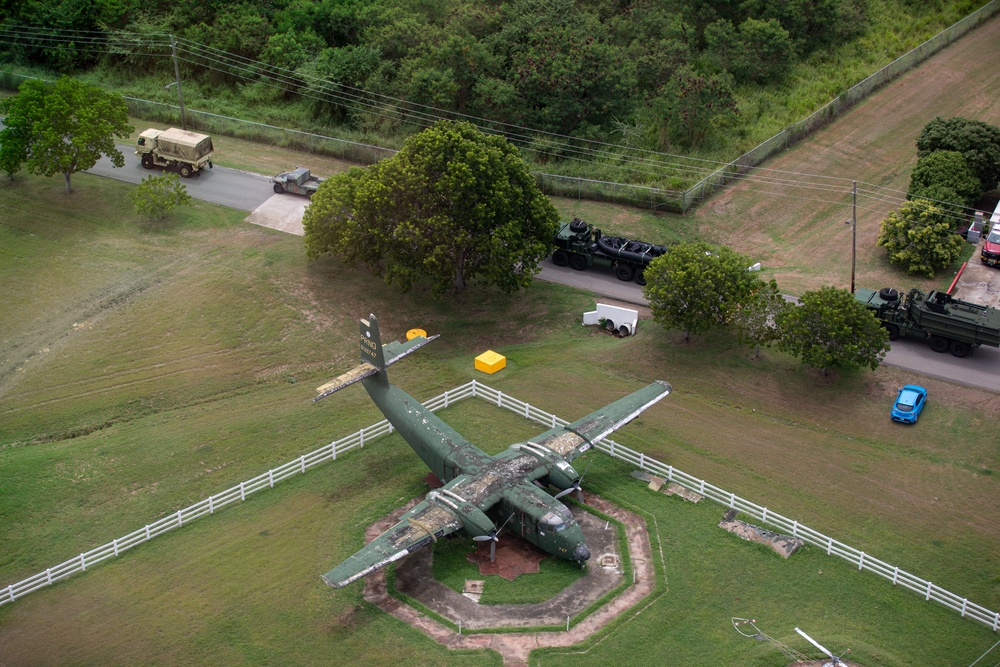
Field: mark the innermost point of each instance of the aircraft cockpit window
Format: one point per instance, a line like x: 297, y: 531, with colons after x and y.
x: 554, y: 521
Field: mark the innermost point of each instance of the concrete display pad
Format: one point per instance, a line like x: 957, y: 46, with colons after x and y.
x: 515, y: 646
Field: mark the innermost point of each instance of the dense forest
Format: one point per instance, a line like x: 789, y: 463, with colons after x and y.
x: 702, y: 77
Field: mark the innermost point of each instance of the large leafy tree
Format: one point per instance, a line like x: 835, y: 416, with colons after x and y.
x: 756, y: 320
x: 978, y: 142
x: 451, y: 206
x: 64, y: 127
x: 695, y: 286
x: 921, y: 237
x: 831, y: 328
x: 947, y: 169
x: 689, y: 105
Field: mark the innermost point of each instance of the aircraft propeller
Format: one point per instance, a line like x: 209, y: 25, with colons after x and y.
x: 492, y: 537
x: 576, y: 486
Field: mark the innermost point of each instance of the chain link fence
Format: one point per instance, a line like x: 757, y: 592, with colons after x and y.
x: 792, y: 134
x: 573, y: 187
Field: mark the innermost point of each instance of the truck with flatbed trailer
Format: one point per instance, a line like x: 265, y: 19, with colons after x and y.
x: 186, y: 152
x: 580, y: 246
x: 949, y: 324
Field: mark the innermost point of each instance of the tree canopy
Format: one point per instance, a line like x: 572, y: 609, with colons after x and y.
x: 756, y: 320
x: 695, y: 286
x: 831, y: 328
x: 946, y: 169
x: 62, y: 127
x: 921, y: 237
x: 453, y: 205
x: 978, y: 142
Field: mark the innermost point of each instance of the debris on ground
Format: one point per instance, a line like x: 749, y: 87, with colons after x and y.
x: 783, y: 545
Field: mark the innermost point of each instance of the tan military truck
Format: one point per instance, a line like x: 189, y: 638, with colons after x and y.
x: 186, y: 152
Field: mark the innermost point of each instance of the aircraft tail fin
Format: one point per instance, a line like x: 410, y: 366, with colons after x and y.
x: 374, y: 358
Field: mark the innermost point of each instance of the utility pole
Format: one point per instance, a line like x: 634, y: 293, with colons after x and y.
x: 854, y: 220
x: 177, y: 80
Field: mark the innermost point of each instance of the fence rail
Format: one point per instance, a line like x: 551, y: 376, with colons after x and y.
x: 475, y: 389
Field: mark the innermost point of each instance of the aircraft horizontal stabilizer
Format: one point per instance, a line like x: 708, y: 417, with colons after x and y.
x: 350, y: 377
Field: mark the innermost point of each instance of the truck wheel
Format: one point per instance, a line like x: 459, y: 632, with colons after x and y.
x: 560, y: 258
x: 940, y: 343
x: 577, y: 226
x: 624, y: 272
x: 640, y: 277
x: 147, y: 161
x: 888, y: 294
x: 578, y: 262
x: 960, y: 349
x: 185, y: 171
x: 278, y: 189
x: 893, y: 331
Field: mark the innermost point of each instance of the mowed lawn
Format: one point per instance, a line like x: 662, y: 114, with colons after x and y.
x: 146, y: 367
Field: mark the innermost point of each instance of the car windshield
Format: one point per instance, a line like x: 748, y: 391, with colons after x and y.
x: 994, y: 236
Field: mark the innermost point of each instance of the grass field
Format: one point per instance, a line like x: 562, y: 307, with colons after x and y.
x: 147, y: 367
x: 144, y: 367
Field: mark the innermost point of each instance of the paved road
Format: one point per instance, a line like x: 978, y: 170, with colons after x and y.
x: 248, y: 191
x: 229, y: 187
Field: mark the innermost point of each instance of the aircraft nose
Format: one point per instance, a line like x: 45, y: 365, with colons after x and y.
x: 581, y: 553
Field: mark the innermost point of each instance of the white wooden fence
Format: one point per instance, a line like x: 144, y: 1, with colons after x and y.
x: 476, y: 389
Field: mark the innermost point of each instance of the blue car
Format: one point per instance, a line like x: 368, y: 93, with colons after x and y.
x: 909, y: 404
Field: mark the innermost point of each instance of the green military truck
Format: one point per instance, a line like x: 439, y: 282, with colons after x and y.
x: 948, y: 323
x: 579, y: 245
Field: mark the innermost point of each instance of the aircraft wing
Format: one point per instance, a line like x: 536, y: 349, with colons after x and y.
x: 574, y: 439
x: 425, y: 523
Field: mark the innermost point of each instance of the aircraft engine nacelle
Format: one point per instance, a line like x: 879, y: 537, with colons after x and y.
x: 561, y: 474
x: 474, y: 520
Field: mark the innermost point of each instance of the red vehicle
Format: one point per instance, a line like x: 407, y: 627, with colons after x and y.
x: 991, y: 247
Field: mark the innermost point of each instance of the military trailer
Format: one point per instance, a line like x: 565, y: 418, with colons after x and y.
x: 298, y: 181
x: 187, y: 152
x: 946, y: 322
x: 580, y: 246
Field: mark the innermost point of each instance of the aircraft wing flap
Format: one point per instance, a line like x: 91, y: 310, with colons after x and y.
x: 422, y: 525
x: 574, y: 439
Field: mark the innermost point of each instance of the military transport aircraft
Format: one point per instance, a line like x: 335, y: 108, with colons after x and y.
x: 482, y: 494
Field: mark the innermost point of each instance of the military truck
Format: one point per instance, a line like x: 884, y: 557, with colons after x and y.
x: 580, y: 246
x: 187, y: 152
x: 299, y: 181
x: 946, y: 322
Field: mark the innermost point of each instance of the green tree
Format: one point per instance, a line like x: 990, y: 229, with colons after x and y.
x: 65, y: 126
x: 756, y: 320
x: 948, y: 169
x: 831, y: 328
x: 453, y: 205
x: 920, y: 237
x: 759, y: 52
x: 694, y: 287
x: 978, y: 142
x: 156, y: 196
x: 690, y: 105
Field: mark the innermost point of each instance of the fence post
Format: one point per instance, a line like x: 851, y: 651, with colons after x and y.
x: 147, y: 532
x: 83, y: 563
x: 795, y: 529
x: 861, y: 560
x: 928, y: 596
x: 270, y: 478
x: 211, y: 507
x: 180, y: 521
x: 302, y: 460
x: 243, y: 495
x: 48, y: 576
x: 333, y: 451
x: 114, y: 543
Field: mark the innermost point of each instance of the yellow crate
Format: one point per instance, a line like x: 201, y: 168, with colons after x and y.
x: 490, y: 362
